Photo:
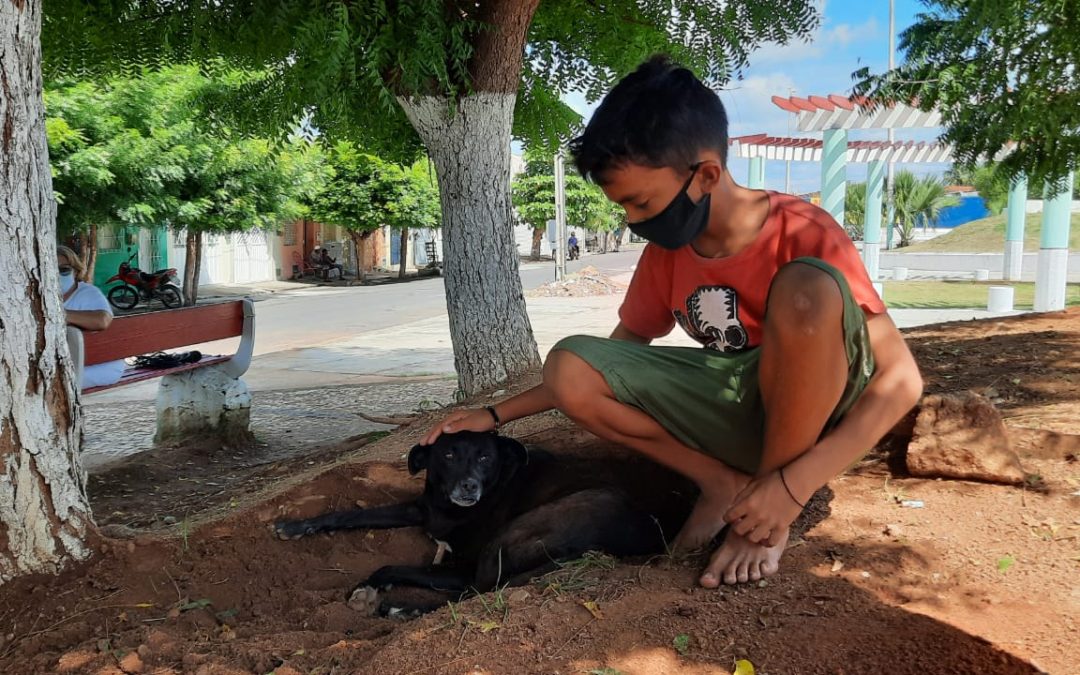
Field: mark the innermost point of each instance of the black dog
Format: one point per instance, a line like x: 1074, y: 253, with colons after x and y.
x: 506, y: 515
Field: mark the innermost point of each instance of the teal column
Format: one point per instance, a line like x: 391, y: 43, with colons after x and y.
x: 875, y: 191
x: 756, y: 180
x: 834, y: 173
x: 1052, y: 270
x: 1014, y: 229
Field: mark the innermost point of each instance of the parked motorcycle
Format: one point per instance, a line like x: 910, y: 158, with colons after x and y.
x: 136, y: 285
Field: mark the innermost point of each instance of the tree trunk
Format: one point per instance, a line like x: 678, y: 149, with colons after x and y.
x: 404, y: 252
x: 358, y: 250
x: 468, y: 140
x: 537, y: 239
x: 192, y: 267
x: 44, y: 513
x: 90, y: 254
x: 492, y: 337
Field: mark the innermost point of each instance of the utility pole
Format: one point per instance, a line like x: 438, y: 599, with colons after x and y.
x: 890, y: 208
x: 787, y: 164
x: 560, y: 218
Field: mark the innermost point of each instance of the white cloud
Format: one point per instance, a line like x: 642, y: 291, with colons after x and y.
x: 750, y: 108
x: 792, y: 52
x: 846, y: 34
x: 820, y: 42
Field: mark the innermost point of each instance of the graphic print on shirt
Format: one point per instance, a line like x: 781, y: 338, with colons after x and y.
x: 713, y: 319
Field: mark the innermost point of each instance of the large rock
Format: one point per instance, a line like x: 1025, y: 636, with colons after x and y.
x: 962, y: 436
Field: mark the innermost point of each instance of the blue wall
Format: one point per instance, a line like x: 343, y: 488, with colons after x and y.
x: 971, y: 208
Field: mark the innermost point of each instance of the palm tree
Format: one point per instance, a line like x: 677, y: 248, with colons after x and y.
x: 855, y: 210
x: 918, y: 200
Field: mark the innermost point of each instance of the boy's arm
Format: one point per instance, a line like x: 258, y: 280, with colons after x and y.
x: 767, y: 506
x: 621, y: 332
x: 531, y: 402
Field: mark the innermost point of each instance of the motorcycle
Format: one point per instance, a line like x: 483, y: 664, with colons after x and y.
x: 136, y: 285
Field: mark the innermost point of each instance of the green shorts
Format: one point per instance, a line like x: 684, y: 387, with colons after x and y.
x: 711, y: 400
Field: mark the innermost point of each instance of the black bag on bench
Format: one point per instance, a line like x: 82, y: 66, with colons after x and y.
x: 162, y: 360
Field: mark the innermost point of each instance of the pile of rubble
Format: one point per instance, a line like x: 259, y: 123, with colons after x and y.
x: 588, y: 282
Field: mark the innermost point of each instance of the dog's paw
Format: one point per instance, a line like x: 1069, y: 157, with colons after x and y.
x: 291, y: 529
x: 398, y: 613
x: 364, y: 599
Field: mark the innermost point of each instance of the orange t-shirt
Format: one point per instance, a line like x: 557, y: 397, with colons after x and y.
x: 720, y: 302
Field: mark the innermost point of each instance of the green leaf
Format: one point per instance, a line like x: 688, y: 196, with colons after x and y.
x: 682, y: 644
x: 1003, y: 564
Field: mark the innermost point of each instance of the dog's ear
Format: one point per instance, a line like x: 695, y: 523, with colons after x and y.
x: 418, y: 458
x: 513, y: 454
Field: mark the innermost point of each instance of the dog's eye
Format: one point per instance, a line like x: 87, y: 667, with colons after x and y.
x: 449, y: 455
x: 483, y: 458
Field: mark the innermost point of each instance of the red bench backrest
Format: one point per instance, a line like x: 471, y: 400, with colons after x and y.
x: 157, y: 331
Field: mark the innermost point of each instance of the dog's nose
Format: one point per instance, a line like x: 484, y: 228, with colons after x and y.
x: 470, y: 486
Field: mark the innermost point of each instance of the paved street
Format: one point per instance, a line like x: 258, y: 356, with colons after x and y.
x: 317, y: 315
x: 299, y: 330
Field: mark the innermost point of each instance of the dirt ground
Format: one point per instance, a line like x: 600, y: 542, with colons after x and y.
x: 980, y: 579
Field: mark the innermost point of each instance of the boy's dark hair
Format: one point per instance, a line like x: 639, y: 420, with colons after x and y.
x: 659, y: 115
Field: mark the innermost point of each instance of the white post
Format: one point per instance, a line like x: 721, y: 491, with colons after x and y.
x: 560, y: 218
x: 1014, y: 230
x: 890, y: 206
x: 1052, y: 271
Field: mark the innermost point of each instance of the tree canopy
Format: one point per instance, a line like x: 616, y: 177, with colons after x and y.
x: 365, y: 192
x: 140, y: 150
x: 586, y: 206
x: 1003, y: 74
x: 345, y: 63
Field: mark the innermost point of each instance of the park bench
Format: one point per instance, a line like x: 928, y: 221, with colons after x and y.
x: 194, y: 399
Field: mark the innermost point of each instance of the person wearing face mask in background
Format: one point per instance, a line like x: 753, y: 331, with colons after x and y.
x: 800, y: 370
x: 86, y: 308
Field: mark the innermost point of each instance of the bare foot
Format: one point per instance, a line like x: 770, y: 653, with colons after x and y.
x: 707, y: 518
x: 738, y: 561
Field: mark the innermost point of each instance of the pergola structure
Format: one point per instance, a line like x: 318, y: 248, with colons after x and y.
x: 834, y: 116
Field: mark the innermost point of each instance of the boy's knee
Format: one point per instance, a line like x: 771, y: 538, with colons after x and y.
x: 571, y: 381
x: 805, y: 300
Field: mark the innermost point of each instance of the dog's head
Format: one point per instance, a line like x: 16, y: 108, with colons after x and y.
x: 465, y: 466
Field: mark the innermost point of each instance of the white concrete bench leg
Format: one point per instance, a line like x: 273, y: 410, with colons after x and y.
x: 205, y: 404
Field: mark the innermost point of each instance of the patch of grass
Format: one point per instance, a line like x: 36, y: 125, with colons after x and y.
x: 961, y: 294
x: 498, y: 607
x: 579, y: 574
x: 681, y: 644
x: 606, y: 671
x: 185, y: 530
x: 987, y: 235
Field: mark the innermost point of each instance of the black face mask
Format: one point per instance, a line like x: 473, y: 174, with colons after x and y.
x: 679, y: 223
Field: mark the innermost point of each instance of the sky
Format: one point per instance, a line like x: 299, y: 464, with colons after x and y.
x: 852, y: 34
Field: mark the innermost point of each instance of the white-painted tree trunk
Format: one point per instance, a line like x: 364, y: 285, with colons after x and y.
x: 470, y: 146
x: 44, y: 514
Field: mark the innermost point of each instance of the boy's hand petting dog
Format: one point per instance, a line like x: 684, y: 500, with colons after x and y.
x: 463, y: 420
x: 763, y: 510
